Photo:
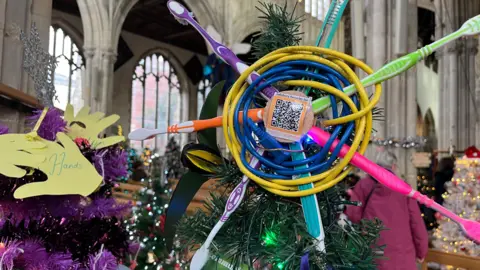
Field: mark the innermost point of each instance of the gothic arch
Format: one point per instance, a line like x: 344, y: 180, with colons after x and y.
x: 183, y: 81
x: 172, y: 58
x: 253, y: 25
x: 426, y: 4
x: 203, y: 13
x: 420, y: 122
x: 74, y: 33
x: 429, y: 131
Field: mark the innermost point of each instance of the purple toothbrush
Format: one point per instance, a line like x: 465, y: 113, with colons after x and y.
x: 183, y: 16
x: 203, y: 253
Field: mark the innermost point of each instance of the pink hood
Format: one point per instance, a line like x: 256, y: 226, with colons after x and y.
x: 405, y: 236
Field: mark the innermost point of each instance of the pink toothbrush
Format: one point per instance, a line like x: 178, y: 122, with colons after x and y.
x: 388, y: 179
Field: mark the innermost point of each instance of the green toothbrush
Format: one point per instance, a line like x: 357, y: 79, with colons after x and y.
x: 402, y: 64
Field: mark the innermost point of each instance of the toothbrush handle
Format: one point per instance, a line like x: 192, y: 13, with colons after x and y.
x: 311, y: 210
x: 383, y: 176
x: 196, y: 125
x: 386, y: 72
x: 234, y: 200
x: 220, y: 50
x: 403, y: 63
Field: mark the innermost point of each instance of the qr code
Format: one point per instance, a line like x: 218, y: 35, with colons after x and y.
x: 286, y: 115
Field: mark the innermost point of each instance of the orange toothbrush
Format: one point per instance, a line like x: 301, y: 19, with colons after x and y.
x: 190, y: 126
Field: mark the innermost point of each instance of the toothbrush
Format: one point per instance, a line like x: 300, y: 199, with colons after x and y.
x: 311, y: 210
x: 329, y: 27
x: 201, y: 256
x: 402, y: 64
x: 183, y: 16
x: 190, y: 126
x: 331, y: 22
x: 390, y: 180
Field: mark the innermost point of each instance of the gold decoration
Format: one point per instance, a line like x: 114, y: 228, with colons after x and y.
x: 151, y: 257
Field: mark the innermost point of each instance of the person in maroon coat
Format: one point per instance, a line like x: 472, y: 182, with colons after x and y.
x: 405, y: 237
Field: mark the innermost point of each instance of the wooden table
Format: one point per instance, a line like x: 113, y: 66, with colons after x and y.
x: 456, y: 260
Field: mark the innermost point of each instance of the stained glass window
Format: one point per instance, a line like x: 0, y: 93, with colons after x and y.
x: 156, y: 100
x: 204, y: 88
x: 67, y: 76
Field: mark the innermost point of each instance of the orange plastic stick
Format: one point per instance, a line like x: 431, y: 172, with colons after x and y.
x: 196, y: 125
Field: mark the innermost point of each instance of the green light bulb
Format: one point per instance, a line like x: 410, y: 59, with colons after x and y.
x: 270, y: 238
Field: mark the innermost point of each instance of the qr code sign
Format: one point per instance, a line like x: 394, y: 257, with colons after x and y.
x: 287, y: 115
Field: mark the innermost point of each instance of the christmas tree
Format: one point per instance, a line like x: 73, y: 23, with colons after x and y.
x: 266, y: 230
x: 463, y: 198
x: 426, y: 186
x: 56, y: 203
x: 146, y: 225
x: 173, y: 164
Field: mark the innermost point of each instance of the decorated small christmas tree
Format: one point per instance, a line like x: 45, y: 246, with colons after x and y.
x: 147, y: 224
x: 56, y: 183
x: 463, y: 198
x: 56, y: 200
x: 173, y: 164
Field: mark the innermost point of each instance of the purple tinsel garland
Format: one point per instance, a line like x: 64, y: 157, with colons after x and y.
x: 103, y: 260
x: 70, y: 206
x: 111, y: 163
x: 51, y: 124
x: 3, y: 129
x: 36, y: 257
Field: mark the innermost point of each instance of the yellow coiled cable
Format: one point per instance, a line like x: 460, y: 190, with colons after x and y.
x: 363, y: 117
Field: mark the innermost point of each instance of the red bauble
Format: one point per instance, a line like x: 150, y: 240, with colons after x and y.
x: 82, y: 143
x: 472, y: 152
x: 438, y: 216
x: 177, y: 266
x: 149, y: 208
x: 162, y: 222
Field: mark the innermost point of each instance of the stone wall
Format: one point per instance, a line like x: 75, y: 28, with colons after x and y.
x: 16, y: 15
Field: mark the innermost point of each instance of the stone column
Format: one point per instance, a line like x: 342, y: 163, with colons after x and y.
x: 377, y: 46
x: 447, y: 58
x: 459, y: 113
x: 102, y: 23
x: 468, y: 113
x: 411, y: 93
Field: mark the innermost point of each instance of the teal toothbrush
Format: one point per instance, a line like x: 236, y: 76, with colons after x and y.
x: 311, y: 210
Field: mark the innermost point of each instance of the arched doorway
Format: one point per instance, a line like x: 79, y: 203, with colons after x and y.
x: 429, y: 131
x: 419, y: 128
